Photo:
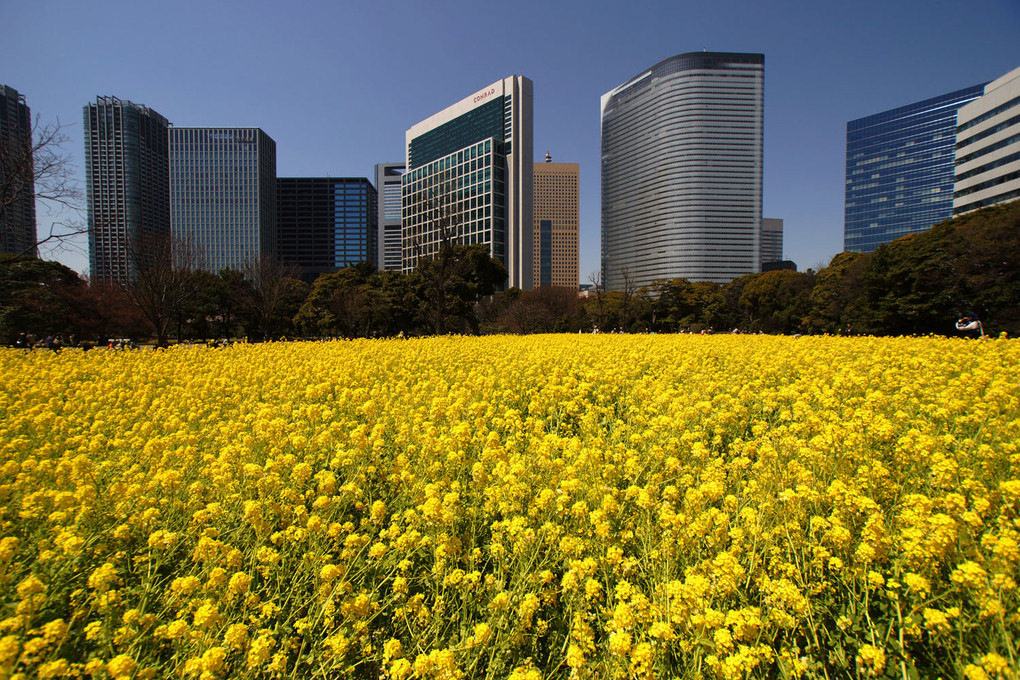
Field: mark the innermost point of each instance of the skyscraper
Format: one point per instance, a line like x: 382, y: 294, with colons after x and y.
x: 223, y: 194
x: 771, y: 240
x: 682, y: 170
x: 469, y: 179
x: 326, y: 223
x: 17, y: 176
x: 899, y: 170
x: 387, y: 183
x: 126, y: 170
x: 555, y: 232
x: 988, y: 146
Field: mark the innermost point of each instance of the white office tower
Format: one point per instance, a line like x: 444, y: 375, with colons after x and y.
x: 988, y: 147
x: 469, y: 179
x: 682, y: 171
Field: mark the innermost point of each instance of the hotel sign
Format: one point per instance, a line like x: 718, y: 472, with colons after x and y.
x: 485, y: 94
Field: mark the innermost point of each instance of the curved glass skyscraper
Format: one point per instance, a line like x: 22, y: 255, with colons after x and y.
x: 682, y: 171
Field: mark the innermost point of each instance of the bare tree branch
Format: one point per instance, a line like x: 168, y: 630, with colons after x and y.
x: 42, y: 168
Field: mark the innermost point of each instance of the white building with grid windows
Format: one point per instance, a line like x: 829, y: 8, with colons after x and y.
x: 988, y: 147
x: 469, y: 179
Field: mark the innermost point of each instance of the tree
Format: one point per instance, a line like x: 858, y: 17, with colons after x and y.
x: 549, y: 309
x: 103, y: 310
x: 276, y: 295
x: 449, y: 284
x: 598, y: 313
x: 777, y: 301
x: 345, y: 303
x: 679, y: 304
x: 164, y: 280
x: 449, y: 276
x: 40, y: 167
x: 36, y: 297
x: 225, y: 299
x: 836, y: 294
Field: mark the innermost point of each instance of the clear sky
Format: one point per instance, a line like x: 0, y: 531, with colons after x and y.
x: 337, y: 83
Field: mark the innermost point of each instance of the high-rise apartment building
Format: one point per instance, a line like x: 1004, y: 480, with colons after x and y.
x: 987, y: 169
x: 899, y: 170
x: 387, y: 183
x: 17, y: 176
x: 469, y: 179
x: 556, y: 225
x: 326, y: 223
x: 771, y: 240
x: 223, y: 194
x: 682, y: 170
x: 127, y: 182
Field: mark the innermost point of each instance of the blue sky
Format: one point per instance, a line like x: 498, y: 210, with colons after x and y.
x: 336, y: 84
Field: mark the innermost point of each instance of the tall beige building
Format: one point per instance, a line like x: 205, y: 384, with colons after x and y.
x: 555, y: 241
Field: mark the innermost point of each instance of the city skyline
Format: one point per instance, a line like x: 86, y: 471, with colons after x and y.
x: 348, y: 114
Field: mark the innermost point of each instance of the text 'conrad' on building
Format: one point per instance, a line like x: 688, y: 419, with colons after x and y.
x: 469, y: 179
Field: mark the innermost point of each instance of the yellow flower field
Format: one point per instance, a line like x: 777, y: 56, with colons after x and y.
x: 513, y: 507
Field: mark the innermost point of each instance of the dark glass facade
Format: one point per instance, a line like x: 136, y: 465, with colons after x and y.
x: 326, y: 223
x: 128, y: 185
x: 899, y: 170
x: 17, y: 178
x: 544, y: 253
x: 482, y: 122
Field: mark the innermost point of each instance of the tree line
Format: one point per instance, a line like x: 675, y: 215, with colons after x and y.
x: 918, y: 284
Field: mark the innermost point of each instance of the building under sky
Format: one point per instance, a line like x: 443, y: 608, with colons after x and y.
x: 899, y: 170
x: 127, y: 183
x: 555, y: 234
x: 987, y: 161
x: 771, y: 240
x: 17, y: 211
x: 223, y: 194
x: 682, y: 171
x: 387, y: 183
x: 326, y: 223
x: 469, y: 179
x: 819, y: 77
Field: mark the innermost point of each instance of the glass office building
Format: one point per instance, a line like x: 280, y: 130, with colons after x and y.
x: 469, y: 179
x: 387, y: 182
x: 771, y: 240
x: 326, y: 223
x: 899, y: 170
x: 126, y: 177
x: 17, y: 178
x: 223, y: 194
x: 682, y: 170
